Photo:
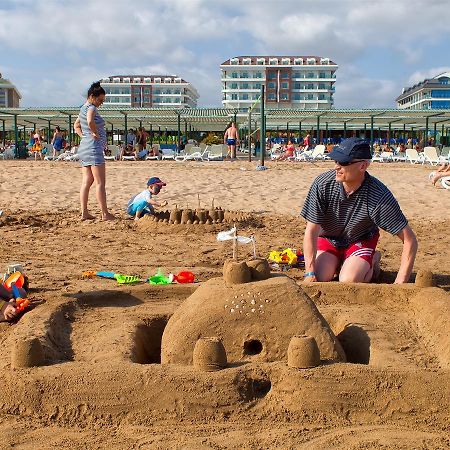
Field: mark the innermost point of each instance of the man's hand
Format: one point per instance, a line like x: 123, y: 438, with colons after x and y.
x: 310, y: 279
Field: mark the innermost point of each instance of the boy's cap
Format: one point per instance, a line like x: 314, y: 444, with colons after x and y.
x: 155, y: 180
x: 349, y: 149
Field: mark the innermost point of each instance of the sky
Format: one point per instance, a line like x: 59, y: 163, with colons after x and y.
x: 52, y: 50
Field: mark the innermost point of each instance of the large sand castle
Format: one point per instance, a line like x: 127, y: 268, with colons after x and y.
x: 97, y: 365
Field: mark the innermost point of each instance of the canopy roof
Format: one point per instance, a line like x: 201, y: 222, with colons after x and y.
x: 216, y: 119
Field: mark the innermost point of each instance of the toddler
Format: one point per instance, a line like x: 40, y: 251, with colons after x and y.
x: 143, y: 202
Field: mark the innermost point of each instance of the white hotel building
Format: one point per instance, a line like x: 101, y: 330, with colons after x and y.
x: 300, y: 82
x: 149, y: 91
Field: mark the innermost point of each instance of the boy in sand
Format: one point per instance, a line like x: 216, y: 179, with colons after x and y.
x: 143, y: 202
x: 344, y: 210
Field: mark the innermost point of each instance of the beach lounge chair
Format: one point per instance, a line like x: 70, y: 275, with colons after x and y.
x: 154, y: 158
x: 444, y: 156
x: 8, y: 153
x: 115, y: 152
x: 413, y: 157
x: 383, y: 157
x: 215, y: 153
x: 190, y: 153
x: 168, y: 153
x: 317, y: 154
x: 399, y: 157
x: 445, y: 183
x: 430, y: 155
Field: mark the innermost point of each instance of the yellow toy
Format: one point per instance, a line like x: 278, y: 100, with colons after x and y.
x: 287, y: 256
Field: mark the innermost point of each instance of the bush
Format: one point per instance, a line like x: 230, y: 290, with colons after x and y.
x: 211, y: 138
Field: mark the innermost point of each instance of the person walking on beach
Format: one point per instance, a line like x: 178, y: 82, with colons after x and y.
x: 231, y: 138
x: 344, y: 210
x: 57, y: 141
x: 90, y: 126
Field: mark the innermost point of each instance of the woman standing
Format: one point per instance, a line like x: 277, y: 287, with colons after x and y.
x: 142, y: 138
x: 57, y: 141
x: 90, y: 126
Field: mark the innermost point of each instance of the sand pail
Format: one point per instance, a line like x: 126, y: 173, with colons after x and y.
x: 424, y: 278
x: 259, y: 269
x: 209, y: 354
x: 303, y: 352
x: 236, y: 272
x: 27, y: 353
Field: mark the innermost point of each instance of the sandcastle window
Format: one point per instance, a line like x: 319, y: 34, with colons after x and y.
x: 252, y: 347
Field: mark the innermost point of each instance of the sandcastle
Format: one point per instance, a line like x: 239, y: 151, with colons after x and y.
x: 253, y: 314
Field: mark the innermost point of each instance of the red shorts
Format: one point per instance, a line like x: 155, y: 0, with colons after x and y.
x: 363, y: 249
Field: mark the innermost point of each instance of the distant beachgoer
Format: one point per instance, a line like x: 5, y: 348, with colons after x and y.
x: 143, y: 202
x: 90, y: 126
x: 288, y: 152
x: 131, y: 138
x: 57, y: 141
x: 37, y: 146
x: 231, y: 138
x: 344, y: 210
x: 142, y: 138
x: 443, y: 171
x: 306, y: 142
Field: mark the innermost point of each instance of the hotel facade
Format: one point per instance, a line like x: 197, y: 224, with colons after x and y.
x: 9, y: 95
x: 433, y: 93
x: 300, y: 82
x: 149, y: 91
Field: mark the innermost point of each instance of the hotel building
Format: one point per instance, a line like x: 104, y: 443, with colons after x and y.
x: 433, y: 93
x: 149, y: 91
x: 9, y: 95
x: 300, y: 82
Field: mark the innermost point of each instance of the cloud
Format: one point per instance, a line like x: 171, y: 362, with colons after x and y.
x: 421, y: 75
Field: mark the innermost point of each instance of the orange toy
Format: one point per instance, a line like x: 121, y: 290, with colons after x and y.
x: 15, y: 278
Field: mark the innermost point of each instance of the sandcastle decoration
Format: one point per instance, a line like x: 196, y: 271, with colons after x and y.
x: 254, y: 320
x: 27, y: 353
x: 424, y: 278
x: 209, y: 354
x: 235, y: 272
x: 303, y: 352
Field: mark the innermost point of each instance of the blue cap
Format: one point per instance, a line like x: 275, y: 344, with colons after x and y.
x: 349, y: 149
x: 155, y: 180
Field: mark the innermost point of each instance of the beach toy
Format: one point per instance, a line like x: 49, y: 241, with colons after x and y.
x: 287, y: 256
x: 15, y: 278
x: 184, y: 277
x: 22, y: 303
x: 127, y: 279
x: 160, y: 278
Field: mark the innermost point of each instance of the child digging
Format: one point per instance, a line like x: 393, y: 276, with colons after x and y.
x: 143, y: 202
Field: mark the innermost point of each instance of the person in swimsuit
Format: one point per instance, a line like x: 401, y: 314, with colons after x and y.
x: 57, y: 141
x: 231, y: 138
x: 90, y: 126
x: 142, y: 139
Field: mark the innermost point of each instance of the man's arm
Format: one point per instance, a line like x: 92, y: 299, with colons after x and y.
x: 310, y: 248
x: 409, y: 251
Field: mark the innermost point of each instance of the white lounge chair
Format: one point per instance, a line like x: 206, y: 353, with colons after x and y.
x: 383, y: 157
x: 168, y: 153
x: 430, y: 155
x: 413, y: 157
x: 215, y: 153
x: 156, y: 157
x: 445, y: 182
x: 8, y: 153
x: 115, y: 152
x: 444, y: 157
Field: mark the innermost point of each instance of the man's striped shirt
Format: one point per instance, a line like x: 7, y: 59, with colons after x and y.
x: 346, y: 219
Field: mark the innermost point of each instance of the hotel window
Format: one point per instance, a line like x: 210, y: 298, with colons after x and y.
x: 296, y: 97
x: 273, y: 61
x: 321, y: 97
x: 256, y: 85
x: 244, y: 74
x: 285, y: 75
x: 322, y: 75
x: 146, y: 91
x: 310, y: 86
x: 298, y: 61
x: 271, y: 97
x: 244, y: 96
x: 284, y: 96
x: 296, y: 74
x: 245, y: 86
x: 284, y: 85
x: 271, y: 85
x: 297, y: 86
x: 286, y: 61
x: 310, y: 97
x: 234, y: 61
x: 246, y: 61
x: 322, y: 86
x: 147, y: 80
x: 260, y: 61
x: 234, y: 96
x: 157, y: 91
x: 234, y: 75
x: 311, y: 61
x: 234, y: 86
x: 310, y: 75
x: 272, y: 76
x: 258, y: 75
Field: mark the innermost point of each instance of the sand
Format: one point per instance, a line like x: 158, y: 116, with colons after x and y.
x: 102, y: 384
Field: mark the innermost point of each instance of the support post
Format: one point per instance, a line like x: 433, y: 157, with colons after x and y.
x: 371, y: 134
x: 4, y: 131
x: 178, y: 132
x: 126, y: 131
x: 425, y: 138
x: 249, y: 134
x: 16, y: 137
x: 70, y: 130
x: 318, y: 130
x: 263, y: 127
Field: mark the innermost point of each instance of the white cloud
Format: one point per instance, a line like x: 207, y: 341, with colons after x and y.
x: 421, y: 75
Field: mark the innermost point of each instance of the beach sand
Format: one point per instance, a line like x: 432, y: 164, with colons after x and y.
x: 102, y: 385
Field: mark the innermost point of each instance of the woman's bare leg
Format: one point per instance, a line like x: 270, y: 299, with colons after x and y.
x: 86, y: 184
x: 99, y: 174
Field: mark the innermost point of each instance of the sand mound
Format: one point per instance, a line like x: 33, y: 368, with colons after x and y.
x: 256, y: 320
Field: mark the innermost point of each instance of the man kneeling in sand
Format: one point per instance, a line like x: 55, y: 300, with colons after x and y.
x: 344, y: 210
